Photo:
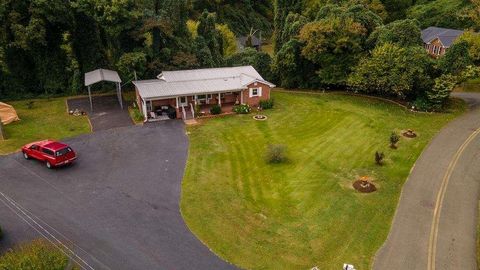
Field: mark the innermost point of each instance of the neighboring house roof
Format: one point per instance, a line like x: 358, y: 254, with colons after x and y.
x: 255, y: 41
x: 99, y: 75
x: 199, y: 81
x: 445, y: 35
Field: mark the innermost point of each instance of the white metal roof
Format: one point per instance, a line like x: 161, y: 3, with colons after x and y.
x: 208, y: 73
x: 99, y: 75
x: 200, y: 81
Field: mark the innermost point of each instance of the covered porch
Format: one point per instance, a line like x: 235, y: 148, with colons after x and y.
x: 190, y: 106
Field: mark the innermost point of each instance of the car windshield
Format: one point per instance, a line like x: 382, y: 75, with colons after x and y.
x: 63, y: 151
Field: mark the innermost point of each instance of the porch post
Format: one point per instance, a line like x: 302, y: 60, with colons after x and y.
x: 119, y: 95
x: 176, y: 102
x: 144, y: 109
x: 219, y: 100
x: 195, y: 99
x: 90, y: 98
x: 241, y: 97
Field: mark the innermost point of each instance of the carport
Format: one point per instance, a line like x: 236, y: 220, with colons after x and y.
x: 100, y: 75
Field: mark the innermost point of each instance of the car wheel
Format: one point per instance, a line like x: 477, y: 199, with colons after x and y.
x: 25, y: 155
x: 49, y: 165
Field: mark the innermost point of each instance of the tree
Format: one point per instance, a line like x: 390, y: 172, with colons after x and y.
x: 440, y: 92
x: 292, y: 69
x: 336, y: 40
x: 229, y: 40
x: 282, y: 8
x: 473, y: 41
x: 456, y: 59
x: 404, y: 33
x: 211, y: 36
x: 392, y: 70
x: 132, y: 62
x: 261, y: 61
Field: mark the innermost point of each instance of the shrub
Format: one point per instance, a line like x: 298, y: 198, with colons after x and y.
x: 379, y: 156
x: 38, y: 254
x: 242, y: 109
x: 216, y: 109
x: 276, y: 153
x: 30, y: 104
x: 266, y: 104
x: 394, y: 138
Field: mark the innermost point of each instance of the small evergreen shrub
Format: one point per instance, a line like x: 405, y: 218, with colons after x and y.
x: 266, y: 104
x: 216, y: 109
x: 379, y: 156
x: 30, y: 104
x: 394, y: 138
x: 242, y: 109
x: 276, y: 153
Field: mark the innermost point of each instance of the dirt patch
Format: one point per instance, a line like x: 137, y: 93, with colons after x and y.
x: 364, y: 186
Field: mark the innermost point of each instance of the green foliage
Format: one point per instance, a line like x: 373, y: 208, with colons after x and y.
x: 229, y: 40
x: 261, y: 61
x: 212, y: 37
x: 456, y: 59
x: 242, y: 109
x: 132, y: 62
x: 282, y: 9
x: 38, y: 254
x: 473, y: 41
x: 442, y: 13
x: 216, y: 109
x: 266, y: 104
x: 392, y: 70
x: 336, y: 40
x: 276, y: 153
x: 440, y: 92
x: 394, y: 139
x: 403, y: 33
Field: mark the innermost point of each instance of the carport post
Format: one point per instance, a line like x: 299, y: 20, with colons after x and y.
x: 90, y: 98
x: 119, y: 95
x: 219, y: 100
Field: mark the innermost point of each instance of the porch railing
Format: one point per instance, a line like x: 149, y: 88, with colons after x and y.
x: 193, y: 110
x: 184, y: 113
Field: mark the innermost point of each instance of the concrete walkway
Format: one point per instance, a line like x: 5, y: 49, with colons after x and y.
x: 435, y: 223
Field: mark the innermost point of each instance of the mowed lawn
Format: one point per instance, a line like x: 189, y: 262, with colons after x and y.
x: 47, y: 119
x: 303, y: 213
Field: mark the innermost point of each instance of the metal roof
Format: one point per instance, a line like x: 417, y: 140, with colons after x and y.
x: 208, y: 73
x: 200, y: 81
x: 243, y: 41
x: 99, y: 75
x: 445, y: 35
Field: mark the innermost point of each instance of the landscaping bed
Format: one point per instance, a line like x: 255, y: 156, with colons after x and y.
x: 303, y: 212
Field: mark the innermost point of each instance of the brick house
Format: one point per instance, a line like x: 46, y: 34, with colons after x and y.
x: 187, y: 92
x: 437, y: 40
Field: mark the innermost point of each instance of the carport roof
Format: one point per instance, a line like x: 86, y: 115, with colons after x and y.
x: 99, y: 75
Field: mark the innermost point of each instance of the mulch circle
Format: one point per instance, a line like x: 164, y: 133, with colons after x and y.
x: 260, y: 117
x: 364, y: 186
x: 409, y: 134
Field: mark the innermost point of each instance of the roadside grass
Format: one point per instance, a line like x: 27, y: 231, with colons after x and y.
x: 469, y: 86
x: 47, y: 119
x: 304, y: 212
x: 38, y: 254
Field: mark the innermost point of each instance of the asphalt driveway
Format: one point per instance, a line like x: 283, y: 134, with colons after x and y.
x: 106, y: 114
x: 116, y: 208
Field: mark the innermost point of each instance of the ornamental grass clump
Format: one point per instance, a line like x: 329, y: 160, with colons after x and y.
x: 394, y: 138
x: 276, y: 153
x: 379, y: 156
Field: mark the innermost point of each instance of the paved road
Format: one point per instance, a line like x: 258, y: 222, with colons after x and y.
x: 435, y: 223
x: 106, y: 114
x: 117, y: 207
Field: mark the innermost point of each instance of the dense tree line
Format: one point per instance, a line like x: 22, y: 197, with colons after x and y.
x: 47, y: 46
x: 372, y: 47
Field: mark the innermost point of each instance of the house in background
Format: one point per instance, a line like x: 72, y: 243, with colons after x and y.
x: 242, y: 43
x: 437, y: 40
x: 180, y: 92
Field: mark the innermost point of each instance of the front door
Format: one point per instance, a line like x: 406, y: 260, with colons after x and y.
x: 183, y: 101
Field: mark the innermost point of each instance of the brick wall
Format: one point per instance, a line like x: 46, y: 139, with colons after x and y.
x: 255, y: 100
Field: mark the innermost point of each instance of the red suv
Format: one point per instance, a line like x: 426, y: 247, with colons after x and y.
x: 51, y: 152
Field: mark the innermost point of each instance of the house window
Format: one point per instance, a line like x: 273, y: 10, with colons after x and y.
x: 255, y: 92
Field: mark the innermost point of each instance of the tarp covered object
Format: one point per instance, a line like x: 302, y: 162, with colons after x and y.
x: 7, y: 114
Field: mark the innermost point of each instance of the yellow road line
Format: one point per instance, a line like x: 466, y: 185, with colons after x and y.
x: 432, y: 244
